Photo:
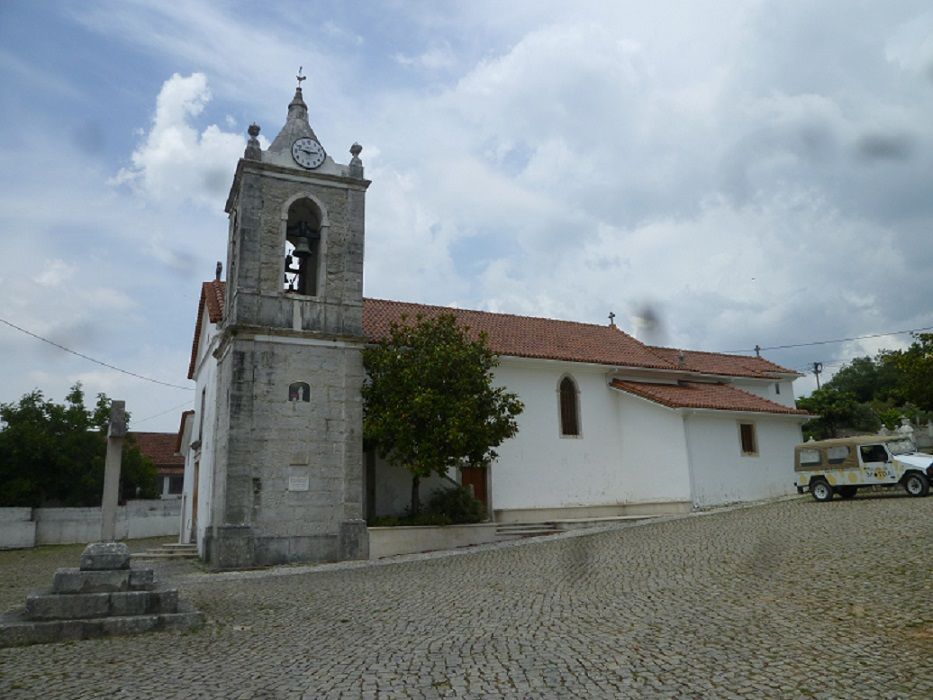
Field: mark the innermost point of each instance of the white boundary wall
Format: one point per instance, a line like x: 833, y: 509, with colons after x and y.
x: 22, y: 528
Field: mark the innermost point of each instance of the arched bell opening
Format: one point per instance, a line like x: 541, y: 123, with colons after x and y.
x: 302, y: 248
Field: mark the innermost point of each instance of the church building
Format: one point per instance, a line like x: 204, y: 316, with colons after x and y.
x: 274, y: 465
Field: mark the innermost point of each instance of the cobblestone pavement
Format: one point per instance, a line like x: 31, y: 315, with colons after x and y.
x: 789, y: 599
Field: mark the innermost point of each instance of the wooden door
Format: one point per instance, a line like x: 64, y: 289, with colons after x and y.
x: 473, y: 479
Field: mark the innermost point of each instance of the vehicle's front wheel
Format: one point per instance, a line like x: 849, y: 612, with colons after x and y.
x: 916, y: 484
x: 847, y: 491
x: 821, y: 491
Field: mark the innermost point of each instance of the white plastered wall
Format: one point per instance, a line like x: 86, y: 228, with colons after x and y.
x: 769, y: 390
x: 625, y: 444
x: 205, y: 383
x: 654, y: 464
x: 722, y: 474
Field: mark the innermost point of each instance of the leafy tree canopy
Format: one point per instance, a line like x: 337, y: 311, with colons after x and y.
x: 429, y: 403
x: 53, y: 454
x: 869, y: 392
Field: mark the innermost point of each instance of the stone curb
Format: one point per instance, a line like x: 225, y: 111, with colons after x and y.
x: 298, y: 570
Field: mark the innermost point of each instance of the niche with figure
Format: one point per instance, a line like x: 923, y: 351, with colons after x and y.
x: 299, y: 391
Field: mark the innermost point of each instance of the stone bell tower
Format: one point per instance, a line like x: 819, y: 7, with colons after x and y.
x: 288, y: 462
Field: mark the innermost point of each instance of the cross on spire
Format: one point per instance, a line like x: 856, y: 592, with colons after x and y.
x: 300, y: 77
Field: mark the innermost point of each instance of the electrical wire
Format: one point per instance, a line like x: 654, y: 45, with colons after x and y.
x: 156, y: 415
x: 828, y: 342
x: 91, y: 359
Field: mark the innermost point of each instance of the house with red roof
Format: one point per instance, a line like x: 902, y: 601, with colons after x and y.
x: 274, y: 465
x: 163, y: 450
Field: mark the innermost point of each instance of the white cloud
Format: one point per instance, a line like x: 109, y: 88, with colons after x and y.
x: 175, y: 161
x: 437, y: 57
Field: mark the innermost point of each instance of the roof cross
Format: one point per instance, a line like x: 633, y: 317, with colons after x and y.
x: 300, y: 77
x: 612, y: 319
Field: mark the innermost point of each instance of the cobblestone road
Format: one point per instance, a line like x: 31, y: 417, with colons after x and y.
x: 790, y: 599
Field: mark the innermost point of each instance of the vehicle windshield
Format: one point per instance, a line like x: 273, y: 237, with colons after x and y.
x: 901, y: 447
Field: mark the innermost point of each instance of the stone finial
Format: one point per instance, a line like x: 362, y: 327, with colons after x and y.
x: 356, y: 165
x: 681, y: 358
x: 219, y: 270
x: 253, y: 149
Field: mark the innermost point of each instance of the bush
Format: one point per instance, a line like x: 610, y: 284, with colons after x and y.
x: 458, y: 505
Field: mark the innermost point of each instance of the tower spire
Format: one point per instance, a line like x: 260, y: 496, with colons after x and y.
x: 297, y: 109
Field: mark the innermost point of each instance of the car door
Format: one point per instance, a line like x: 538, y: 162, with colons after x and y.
x: 876, y: 463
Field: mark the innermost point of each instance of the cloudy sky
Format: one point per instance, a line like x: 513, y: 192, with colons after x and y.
x: 753, y: 172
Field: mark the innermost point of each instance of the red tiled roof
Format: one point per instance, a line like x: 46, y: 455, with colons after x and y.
x: 524, y: 336
x: 528, y: 336
x: 212, y: 296
x: 160, y: 448
x: 720, y: 363
x: 718, y: 397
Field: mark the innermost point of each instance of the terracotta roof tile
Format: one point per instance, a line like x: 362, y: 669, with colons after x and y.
x: 720, y: 363
x: 714, y: 396
x: 528, y: 336
x: 524, y: 336
x: 160, y: 448
x: 213, y: 295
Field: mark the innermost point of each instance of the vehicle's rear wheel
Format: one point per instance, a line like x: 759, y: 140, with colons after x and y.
x: 847, y: 491
x: 821, y: 490
x: 916, y: 484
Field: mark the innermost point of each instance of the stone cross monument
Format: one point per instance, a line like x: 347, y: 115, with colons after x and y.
x: 108, y: 505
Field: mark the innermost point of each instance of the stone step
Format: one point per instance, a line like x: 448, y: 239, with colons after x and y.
x: 74, y: 606
x: 520, y: 530
x: 15, y: 630
x: 157, y: 554
x: 78, y: 581
x: 180, y: 546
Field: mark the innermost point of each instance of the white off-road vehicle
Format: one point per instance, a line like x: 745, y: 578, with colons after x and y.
x: 843, y: 465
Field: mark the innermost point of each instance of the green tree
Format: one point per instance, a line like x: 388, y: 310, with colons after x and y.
x: 866, y: 379
x: 837, y: 410
x: 913, y: 369
x: 429, y: 403
x: 53, y: 454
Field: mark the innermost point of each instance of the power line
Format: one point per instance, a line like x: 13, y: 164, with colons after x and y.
x: 91, y: 359
x: 156, y: 415
x: 828, y: 342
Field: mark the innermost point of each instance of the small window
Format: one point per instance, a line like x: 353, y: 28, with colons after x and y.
x: 175, y: 484
x: 874, y: 453
x: 810, y: 458
x: 299, y: 391
x: 777, y: 388
x: 837, y: 454
x: 748, y: 438
x: 569, y: 408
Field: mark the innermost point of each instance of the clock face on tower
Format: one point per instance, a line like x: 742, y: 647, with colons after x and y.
x: 308, y: 153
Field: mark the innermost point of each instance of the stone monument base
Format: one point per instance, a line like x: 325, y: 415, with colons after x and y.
x: 104, y: 597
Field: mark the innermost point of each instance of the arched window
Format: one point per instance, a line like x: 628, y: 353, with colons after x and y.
x: 569, y: 408
x: 299, y: 391
x: 302, y: 248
